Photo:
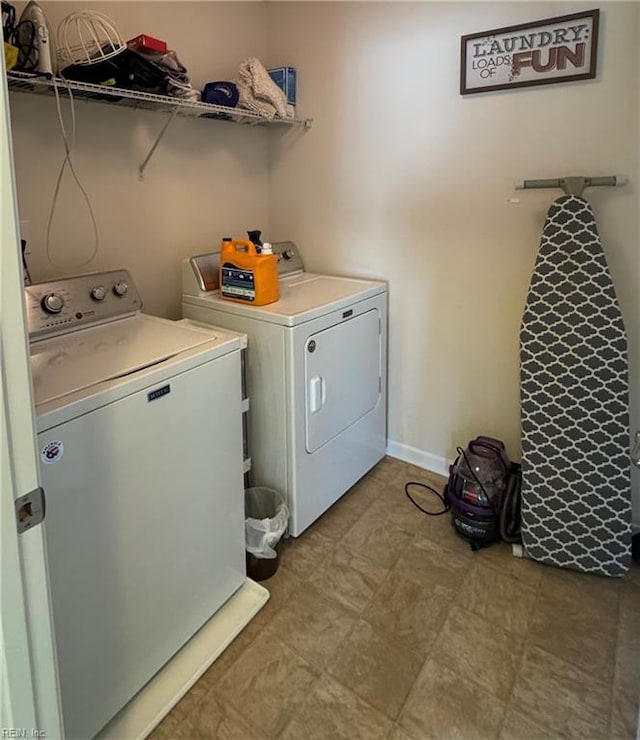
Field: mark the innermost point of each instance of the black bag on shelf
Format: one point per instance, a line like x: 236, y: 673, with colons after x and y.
x: 127, y: 69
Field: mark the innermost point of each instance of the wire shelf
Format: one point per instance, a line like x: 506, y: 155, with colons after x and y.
x: 31, y: 83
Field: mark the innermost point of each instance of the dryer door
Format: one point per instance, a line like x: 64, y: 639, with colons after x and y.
x: 342, y: 376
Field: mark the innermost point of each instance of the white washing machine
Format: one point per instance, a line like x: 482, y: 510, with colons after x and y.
x: 316, y: 376
x: 139, y: 426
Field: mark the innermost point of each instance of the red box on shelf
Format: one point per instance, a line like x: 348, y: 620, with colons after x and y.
x: 147, y: 43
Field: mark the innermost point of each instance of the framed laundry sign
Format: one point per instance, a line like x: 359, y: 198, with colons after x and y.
x: 560, y: 49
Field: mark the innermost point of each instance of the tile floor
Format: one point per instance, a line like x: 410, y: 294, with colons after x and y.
x: 383, y: 624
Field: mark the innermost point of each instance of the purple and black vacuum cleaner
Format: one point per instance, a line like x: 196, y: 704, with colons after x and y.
x: 483, y: 493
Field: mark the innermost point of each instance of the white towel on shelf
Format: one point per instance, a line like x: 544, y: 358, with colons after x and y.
x: 247, y: 100
x: 258, y: 92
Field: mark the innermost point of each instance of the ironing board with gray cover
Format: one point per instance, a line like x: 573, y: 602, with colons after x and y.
x: 576, y: 478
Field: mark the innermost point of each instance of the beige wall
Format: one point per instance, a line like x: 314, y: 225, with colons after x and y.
x: 207, y: 178
x: 404, y: 179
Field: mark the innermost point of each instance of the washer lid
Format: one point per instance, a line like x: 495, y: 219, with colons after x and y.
x: 82, y: 359
x: 303, y: 296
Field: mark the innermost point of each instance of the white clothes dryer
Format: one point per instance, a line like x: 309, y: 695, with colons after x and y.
x: 316, y: 376
x: 139, y: 427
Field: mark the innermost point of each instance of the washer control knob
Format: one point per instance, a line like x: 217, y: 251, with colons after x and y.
x: 53, y: 303
x: 288, y: 254
x: 120, y: 288
x: 98, y: 293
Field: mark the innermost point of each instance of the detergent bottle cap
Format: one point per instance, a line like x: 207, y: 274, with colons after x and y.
x: 267, y: 248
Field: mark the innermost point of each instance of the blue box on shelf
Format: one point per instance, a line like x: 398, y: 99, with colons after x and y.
x: 285, y: 79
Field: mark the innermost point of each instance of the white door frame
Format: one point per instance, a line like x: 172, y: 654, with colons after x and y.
x: 29, y: 700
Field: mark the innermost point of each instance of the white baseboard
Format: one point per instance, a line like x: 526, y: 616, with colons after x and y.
x: 422, y: 459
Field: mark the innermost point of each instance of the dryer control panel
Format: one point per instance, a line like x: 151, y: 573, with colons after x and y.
x: 58, y: 306
x: 289, y: 259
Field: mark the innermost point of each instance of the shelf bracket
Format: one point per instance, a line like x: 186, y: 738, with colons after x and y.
x: 147, y: 159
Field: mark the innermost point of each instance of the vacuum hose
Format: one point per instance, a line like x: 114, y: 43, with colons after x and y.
x: 509, y: 515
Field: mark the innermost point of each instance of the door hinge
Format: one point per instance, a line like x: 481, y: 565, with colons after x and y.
x: 30, y: 510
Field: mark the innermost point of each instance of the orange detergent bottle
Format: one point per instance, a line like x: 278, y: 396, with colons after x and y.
x: 245, y: 275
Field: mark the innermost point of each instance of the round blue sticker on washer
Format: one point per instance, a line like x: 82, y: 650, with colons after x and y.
x: 52, y: 452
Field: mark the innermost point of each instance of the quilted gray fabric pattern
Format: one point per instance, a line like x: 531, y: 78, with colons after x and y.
x: 576, y: 479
